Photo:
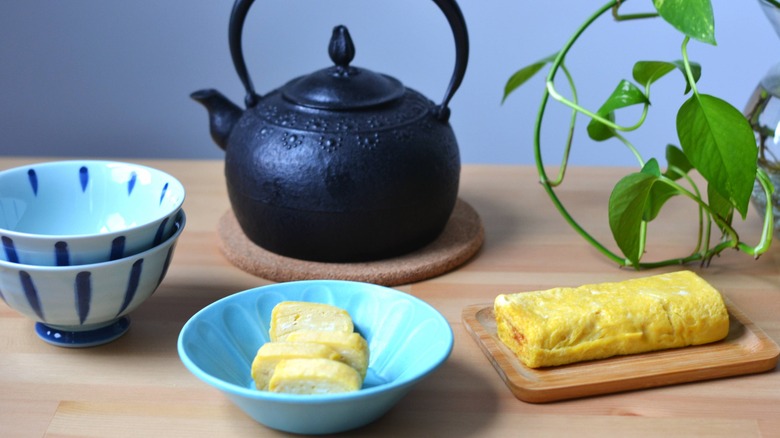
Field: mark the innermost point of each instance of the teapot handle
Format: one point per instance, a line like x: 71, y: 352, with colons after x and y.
x: 450, y: 9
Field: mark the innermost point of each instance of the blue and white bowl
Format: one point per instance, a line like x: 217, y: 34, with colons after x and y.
x: 408, y: 339
x: 80, y: 212
x: 86, y: 305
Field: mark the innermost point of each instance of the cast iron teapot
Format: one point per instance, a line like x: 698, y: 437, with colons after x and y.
x: 343, y: 164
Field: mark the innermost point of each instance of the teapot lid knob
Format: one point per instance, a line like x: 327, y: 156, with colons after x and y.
x: 341, y: 48
x: 342, y: 86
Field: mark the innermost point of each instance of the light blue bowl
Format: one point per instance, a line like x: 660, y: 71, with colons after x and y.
x: 86, y: 305
x: 407, y: 338
x: 84, y: 211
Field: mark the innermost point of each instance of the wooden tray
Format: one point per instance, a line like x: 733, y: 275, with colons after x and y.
x: 746, y: 350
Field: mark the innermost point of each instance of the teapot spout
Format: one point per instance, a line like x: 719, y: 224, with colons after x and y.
x: 223, y: 114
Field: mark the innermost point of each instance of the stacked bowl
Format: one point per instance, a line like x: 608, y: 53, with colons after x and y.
x: 83, y: 243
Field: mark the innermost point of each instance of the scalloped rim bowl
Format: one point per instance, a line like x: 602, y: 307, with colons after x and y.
x: 408, y: 339
x: 76, y: 212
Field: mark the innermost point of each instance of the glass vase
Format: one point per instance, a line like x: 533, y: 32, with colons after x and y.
x: 763, y: 112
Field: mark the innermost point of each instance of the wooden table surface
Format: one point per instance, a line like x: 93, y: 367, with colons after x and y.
x: 136, y: 386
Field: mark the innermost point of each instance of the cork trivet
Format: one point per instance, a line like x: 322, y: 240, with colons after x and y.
x: 461, y: 239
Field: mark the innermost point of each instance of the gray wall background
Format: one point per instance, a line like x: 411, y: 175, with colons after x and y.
x: 108, y: 78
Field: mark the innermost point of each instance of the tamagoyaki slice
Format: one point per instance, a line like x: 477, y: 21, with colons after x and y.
x: 271, y: 353
x: 290, y: 316
x: 314, y: 376
x: 352, y: 347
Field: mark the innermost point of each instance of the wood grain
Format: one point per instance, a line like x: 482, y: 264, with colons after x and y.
x: 137, y: 386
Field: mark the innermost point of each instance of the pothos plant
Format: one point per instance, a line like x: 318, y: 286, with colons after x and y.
x: 715, y: 140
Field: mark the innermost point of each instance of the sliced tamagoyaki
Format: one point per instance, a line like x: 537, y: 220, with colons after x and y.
x: 313, y: 348
x: 314, y: 376
x: 290, y: 316
x: 271, y: 353
x: 352, y: 347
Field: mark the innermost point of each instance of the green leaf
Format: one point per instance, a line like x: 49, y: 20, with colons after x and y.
x: 598, y: 131
x: 652, y: 168
x: 524, y: 74
x: 659, y: 193
x: 691, y: 17
x: 676, y: 158
x: 695, y: 71
x: 719, y: 205
x: 718, y: 141
x: 647, y: 72
x: 625, y: 94
x: 627, y: 205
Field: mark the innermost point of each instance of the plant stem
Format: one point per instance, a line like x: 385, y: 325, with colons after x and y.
x: 631, y: 148
x: 726, y: 227
x: 702, y: 212
x: 557, y: 63
x: 616, y: 13
x: 702, y: 250
x: 687, y: 65
x: 595, y: 116
x: 543, y: 178
x: 766, y: 235
x: 570, y: 136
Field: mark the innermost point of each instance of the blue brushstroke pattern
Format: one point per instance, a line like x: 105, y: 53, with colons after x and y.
x: 166, y: 264
x: 10, y: 250
x: 84, y: 177
x: 61, y: 254
x: 162, y: 194
x: 83, y: 294
x: 118, y: 248
x: 131, y: 183
x: 132, y: 284
x: 31, y: 294
x: 158, y: 237
x: 33, y: 181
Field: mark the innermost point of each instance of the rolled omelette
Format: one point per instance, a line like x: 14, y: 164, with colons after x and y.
x: 566, y: 325
x: 290, y: 316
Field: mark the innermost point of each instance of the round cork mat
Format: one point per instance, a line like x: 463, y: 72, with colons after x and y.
x: 461, y: 239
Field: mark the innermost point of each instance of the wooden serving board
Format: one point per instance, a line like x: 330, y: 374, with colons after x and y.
x: 746, y: 350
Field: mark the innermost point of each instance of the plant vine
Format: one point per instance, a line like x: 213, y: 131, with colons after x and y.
x: 705, y: 126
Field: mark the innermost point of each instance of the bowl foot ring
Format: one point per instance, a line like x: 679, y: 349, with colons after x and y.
x: 79, y: 339
x: 460, y: 241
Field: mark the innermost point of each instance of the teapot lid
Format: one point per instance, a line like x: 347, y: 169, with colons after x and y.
x: 343, y: 87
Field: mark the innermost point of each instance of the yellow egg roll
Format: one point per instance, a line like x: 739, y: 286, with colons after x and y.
x: 271, y: 353
x: 566, y: 325
x: 290, y: 316
x: 314, y: 376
